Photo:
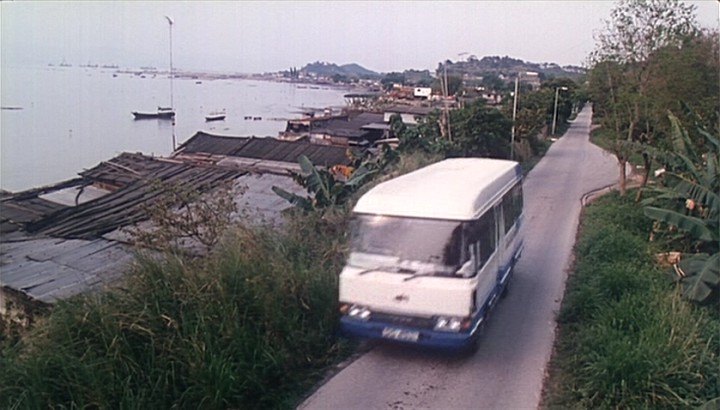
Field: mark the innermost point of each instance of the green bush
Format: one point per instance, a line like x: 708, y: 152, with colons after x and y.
x: 626, y: 338
x: 250, y: 327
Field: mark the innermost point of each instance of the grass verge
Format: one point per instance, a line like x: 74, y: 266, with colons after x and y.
x: 252, y: 326
x: 626, y: 339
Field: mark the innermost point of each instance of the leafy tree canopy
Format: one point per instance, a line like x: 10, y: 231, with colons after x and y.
x: 637, y: 28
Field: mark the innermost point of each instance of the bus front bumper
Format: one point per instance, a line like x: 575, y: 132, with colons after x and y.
x: 419, y: 337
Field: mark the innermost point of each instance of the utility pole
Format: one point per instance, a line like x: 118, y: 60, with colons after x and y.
x: 172, y: 74
x: 512, y: 132
x: 170, y: 24
x: 557, y: 92
x: 446, y: 91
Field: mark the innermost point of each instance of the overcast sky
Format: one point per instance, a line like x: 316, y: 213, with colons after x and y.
x: 271, y: 36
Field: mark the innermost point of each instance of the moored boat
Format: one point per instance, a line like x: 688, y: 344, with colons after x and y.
x: 215, y: 116
x: 163, y: 113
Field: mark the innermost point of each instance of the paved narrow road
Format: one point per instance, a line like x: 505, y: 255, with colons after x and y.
x: 508, y: 369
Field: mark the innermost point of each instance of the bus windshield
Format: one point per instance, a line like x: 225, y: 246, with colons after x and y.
x: 432, y: 241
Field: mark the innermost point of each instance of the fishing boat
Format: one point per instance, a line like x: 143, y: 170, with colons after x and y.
x: 163, y: 113
x: 215, y: 116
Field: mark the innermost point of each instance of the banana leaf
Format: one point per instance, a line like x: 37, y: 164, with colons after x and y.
x: 699, y: 229
x: 702, y: 276
x: 316, y: 184
x: 294, y: 199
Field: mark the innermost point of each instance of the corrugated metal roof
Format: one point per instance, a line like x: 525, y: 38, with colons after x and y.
x: 340, y: 132
x: 14, y: 214
x: 55, y: 251
x: 124, y: 169
x: 213, y: 144
x: 50, y: 269
x: 128, y: 205
x: 265, y: 149
x: 409, y: 109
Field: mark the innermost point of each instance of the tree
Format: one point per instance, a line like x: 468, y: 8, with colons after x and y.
x: 340, y: 78
x: 392, y: 78
x: 424, y: 137
x: 480, y: 131
x: 185, y: 219
x: 534, y: 112
x: 683, y: 79
x: 454, y: 84
x: 492, y: 82
x: 620, y: 76
x: 637, y: 28
x: 565, y: 95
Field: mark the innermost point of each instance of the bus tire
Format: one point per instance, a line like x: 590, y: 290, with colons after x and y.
x: 473, y: 347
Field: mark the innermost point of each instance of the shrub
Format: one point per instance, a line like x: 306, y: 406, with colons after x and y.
x: 251, y: 326
x: 626, y: 338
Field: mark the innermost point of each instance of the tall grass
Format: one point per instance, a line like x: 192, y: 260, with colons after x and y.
x: 626, y: 338
x: 252, y: 326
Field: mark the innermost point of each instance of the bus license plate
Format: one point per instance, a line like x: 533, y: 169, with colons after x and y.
x: 400, y: 334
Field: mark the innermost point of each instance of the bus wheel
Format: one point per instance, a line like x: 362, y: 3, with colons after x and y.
x: 474, y: 345
x: 506, y: 289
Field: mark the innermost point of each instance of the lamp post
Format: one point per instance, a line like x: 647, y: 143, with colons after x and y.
x: 170, y: 24
x: 557, y: 92
x: 172, y: 103
x: 512, y: 130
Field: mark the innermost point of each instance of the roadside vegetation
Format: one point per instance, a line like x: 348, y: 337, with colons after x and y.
x: 640, y: 326
x: 251, y: 326
x: 627, y: 338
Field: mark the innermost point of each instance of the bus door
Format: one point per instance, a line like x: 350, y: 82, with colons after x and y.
x: 483, y: 246
x: 501, y: 252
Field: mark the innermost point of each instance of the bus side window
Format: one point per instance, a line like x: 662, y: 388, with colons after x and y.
x: 471, y: 244
x: 512, y: 205
x: 481, y: 238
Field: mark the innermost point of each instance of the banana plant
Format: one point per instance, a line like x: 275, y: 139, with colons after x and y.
x: 324, y: 189
x: 694, y: 183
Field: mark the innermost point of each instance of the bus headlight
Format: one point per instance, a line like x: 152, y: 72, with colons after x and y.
x: 451, y: 324
x: 359, y: 312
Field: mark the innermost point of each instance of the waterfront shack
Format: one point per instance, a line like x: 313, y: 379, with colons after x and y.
x: 72, y: 237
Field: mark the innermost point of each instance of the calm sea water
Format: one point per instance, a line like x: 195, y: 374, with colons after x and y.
x: 72, y: 118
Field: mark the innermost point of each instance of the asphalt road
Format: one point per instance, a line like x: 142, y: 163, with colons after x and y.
x: 508, y: 369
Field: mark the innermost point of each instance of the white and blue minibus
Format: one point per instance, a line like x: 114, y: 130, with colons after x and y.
x: 431, y: 252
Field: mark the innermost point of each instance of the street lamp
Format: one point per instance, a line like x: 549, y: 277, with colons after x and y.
x: 172, y: 103
x: 512, y: 130
x: 557, y: 91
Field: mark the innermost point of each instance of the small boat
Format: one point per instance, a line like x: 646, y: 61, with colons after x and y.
x: 215, y: 116
x: 163, y: 113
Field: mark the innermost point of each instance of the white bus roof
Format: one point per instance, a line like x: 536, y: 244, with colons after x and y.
x: 457, y: 189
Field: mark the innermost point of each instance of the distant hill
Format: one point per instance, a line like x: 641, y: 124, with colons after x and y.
x: 472, y: 67
x: 507, y: 66
x: 326, y: 69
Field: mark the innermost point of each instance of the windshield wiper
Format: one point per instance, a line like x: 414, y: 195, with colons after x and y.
x: 392, y: 268
x: 418, y: 275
